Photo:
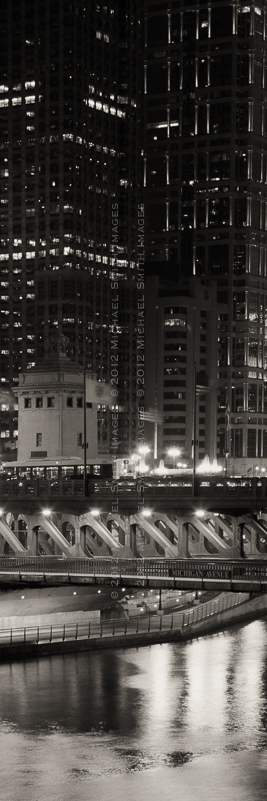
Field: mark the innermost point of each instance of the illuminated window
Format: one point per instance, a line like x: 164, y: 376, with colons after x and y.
x: 177, y: 321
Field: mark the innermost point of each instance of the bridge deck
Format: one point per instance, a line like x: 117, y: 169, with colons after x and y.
x: 231, y: 575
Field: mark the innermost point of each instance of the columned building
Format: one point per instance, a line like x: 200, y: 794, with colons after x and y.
x: 205, y: 177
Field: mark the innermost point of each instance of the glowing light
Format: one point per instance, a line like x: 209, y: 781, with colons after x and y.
x: 161, y: 469
x: 144, y: 449
x: 46, y: 512
x: 199, y: 513
x: 173, y: 452
x: 134, y: 457
x: 95, y: 512
x: 208, y: 467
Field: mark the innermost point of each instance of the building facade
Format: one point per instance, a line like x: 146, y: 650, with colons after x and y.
x: 51, y: 415
x: 206, y: 186
x: 69, y: 153
x: 182, y: 381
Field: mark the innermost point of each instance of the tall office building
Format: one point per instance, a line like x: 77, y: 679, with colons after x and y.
x: 69, y: 128
x: 184, y: 321
x: 205, y: 174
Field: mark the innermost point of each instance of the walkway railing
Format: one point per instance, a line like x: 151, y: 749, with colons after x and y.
x: 177, y: 621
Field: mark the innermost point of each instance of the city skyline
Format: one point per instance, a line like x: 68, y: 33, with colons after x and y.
x: 90, y: 96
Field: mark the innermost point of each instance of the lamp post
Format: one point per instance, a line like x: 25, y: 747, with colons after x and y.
x: 143, y: 450
x: 85, y: 444
x: 134, y: 460
x: 194, y: 440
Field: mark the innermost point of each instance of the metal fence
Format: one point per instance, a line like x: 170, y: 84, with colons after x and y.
x: 179, y: 487
x: 120, y: 627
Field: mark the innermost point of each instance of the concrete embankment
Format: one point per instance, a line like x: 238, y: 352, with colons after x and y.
x: 246, y: 611
x: 52, y: 619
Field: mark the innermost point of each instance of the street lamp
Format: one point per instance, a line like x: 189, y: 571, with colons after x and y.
x: 143, y: 450
x: 174, y: 452
x: 199, y: 512
x: 134, y: 459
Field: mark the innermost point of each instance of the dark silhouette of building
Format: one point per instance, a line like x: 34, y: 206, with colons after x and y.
x: 69, y: 152
x: 205, y: 182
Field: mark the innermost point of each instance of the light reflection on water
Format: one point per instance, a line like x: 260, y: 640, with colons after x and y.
x: 175, y: 718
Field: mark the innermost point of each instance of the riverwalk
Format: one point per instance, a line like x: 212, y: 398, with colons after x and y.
x: 44, y: 640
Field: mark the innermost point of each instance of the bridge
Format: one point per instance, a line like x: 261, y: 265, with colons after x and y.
x: 180, y: 574
x: 148, y: 517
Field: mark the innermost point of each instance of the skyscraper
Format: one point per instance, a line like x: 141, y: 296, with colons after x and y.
x: 205, y: 182
x: 69, y: 128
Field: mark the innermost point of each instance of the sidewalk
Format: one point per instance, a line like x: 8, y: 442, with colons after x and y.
x: 48, y: 640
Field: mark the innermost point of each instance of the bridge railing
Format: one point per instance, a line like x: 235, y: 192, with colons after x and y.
x: 178, y: 621
x: 41, y: 489
x: 151, y: 490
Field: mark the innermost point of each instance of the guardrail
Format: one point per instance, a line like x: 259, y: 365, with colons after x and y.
x: 117, y: 628
x: 37, y: 488
x: 142, y: 569
x: 220, y: 488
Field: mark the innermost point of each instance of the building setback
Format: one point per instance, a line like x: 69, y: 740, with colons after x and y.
x: 69, y: 162
x: 205, y: 175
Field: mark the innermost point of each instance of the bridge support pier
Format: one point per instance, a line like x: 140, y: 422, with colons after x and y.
x: 253, y: 549
x: 127, y: 530
x: 182, y: 530
x: 32, y: 541
x: 126, y: 549
x: 78, y: 549
x: 237, y: 529
x: 196, y: 544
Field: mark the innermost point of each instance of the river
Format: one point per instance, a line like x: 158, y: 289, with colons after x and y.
x: 181, y: 721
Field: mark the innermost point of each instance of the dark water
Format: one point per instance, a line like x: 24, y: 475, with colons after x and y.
x: 174, y: 721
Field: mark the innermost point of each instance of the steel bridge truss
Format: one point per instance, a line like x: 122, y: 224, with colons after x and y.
x: 202, y: 533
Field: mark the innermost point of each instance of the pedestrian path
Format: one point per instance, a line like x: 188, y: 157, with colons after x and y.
x: 141, y: 625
